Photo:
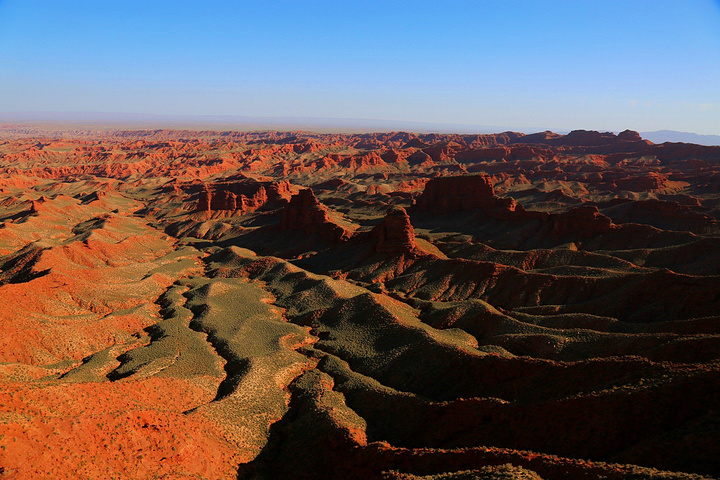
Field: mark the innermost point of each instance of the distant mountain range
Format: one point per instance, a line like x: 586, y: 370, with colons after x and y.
x: 85, y: 120
x: 662, y: 136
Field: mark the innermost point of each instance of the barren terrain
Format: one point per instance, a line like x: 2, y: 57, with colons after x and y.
x: 394, y: 306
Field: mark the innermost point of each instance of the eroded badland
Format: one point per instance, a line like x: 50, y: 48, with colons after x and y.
x: 398, y: 306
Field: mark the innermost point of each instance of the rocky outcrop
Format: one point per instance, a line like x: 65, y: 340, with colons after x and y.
x: 219, y: 200
x: 305, y: 213
x: 591, y: 138
x: 36, y: 205
x: 363, y: 161
x: 332, y: 184
x: 223, y: 200
x: 395, y: 235
x: 545, y: 137
x: 476, y: 193
x: 585, y: 138
x: 585, y: 221
x: 505, y: 138
x: 394, y: 155
x: 629, y: 136
x: 644, y: 183
x: 666, y: 215
x: 670, y: 152
x: 242, y: 196
x: 465, y: 193
x: 204, y: 200
x: 513, y: 152
x: 452, y: 194
x: 92, y: 197
x: 444, y: 152
x: 420, y: 158
x: 411, y: 185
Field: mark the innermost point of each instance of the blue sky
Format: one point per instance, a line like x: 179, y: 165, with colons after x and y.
x: 604, y: 65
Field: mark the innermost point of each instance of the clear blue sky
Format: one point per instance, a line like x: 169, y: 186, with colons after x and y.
x: 604, y: 64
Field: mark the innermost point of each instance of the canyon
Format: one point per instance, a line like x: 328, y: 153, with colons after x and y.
x: 267, y: 305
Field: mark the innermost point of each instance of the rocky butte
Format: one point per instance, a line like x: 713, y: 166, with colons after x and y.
x: 306, y: 214
x: 395, y: 235
x: 464, y: 193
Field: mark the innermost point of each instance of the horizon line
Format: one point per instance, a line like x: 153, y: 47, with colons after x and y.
x: 247, y: 123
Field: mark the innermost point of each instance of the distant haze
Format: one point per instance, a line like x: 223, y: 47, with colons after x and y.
x: 95, y: 120
x: 672, y: 136
x: 603, y: 65
x: 107, y: 121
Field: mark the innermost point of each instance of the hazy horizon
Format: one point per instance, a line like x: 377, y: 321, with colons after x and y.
x: 64, y: 121
x: 233, y: 122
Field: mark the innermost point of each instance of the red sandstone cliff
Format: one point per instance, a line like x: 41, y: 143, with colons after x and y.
x: 307, y: 214
x: 465, y: 193
x: 395, y: 235
x: 243, y: 196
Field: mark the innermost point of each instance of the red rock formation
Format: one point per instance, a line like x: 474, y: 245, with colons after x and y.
x: 223, y: 200
x: 93, y: 197
x: 244, y: 195
x: 482, y: 154
x: 307, y: 147
x: 590, y: 138
x: 513, y: 152
x: 307, y: 214
x: 249, y: 204
x: 420, y: 158
x: 540, y: 137
x: 585, y: 138
x: 394, y: 155
x: 445, y: 151
x: 644, y: 183
x: 629, y: 136
x: 586, y: 221
x: 666, y: 215
x: 415, y: 143
x: 36, y: 205
x: 203, y: 204
x: 332, y: 184
x: 451, y: 194
x: 475, y: 192
x: 465, y: 193
x: 395, y: 235
x: 505, y: 138
x: 378, y: 189
x: 362, y: 162
x: 411, y: 185
x: 538, y: 334
x: 686, y: 151
x: 326, y: 162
